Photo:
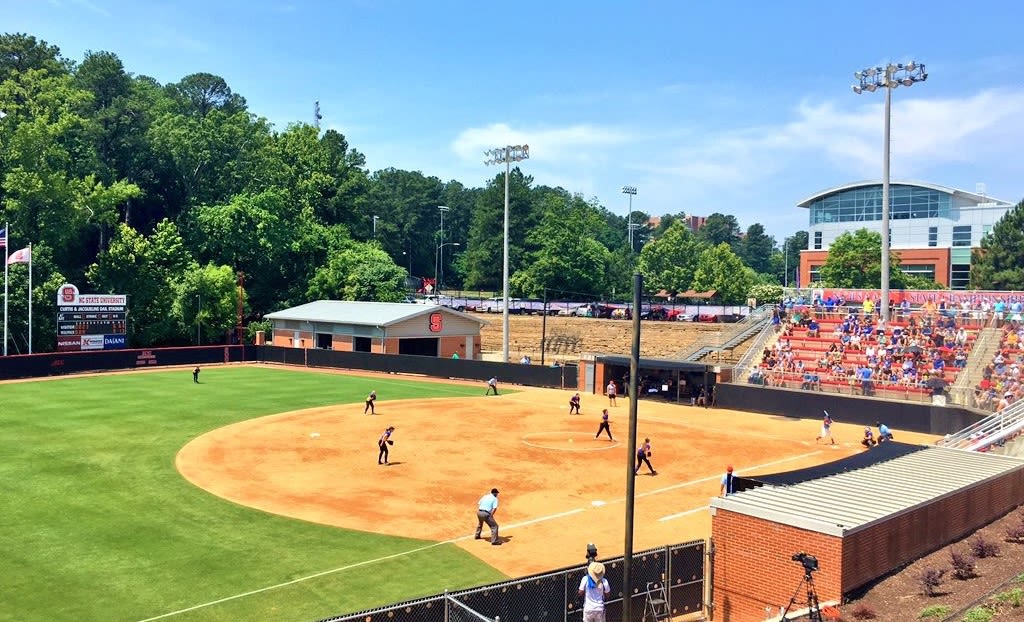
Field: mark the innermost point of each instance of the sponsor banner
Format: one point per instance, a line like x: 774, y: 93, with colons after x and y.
x: 113, y: 342
x: 69, y: 343
x: 915, y: 297
x: 92, y: 342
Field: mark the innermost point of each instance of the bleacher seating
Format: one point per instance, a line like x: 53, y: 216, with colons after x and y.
x: 1001, y: 385
x: 916, y: 355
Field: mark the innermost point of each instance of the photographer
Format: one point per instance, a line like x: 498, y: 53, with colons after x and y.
x: 593, y: 588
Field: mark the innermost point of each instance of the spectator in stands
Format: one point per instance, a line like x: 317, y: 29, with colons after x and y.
x: 960, y: 359
x: 868, y: 306
x: 999, y: 311
x: 904, y: 309
x: 864, y: 375
x: 813, y: 328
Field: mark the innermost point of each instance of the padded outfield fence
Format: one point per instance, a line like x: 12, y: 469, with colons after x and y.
x: 553, y: 596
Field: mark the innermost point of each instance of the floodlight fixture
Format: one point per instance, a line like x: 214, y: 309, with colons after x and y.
x: 889, y: 77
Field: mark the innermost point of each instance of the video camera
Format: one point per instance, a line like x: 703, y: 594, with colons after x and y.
x: 810, y: 562
x: 591, y: 553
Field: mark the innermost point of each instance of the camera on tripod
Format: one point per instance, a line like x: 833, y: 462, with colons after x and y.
x: 591, y: 553
x: 810, y: 562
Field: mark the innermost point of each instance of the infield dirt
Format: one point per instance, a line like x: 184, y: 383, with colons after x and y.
x: 560, y: 488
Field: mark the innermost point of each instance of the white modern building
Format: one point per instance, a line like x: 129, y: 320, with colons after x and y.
x: 932, y: 228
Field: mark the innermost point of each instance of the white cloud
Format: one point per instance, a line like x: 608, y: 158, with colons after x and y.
x: 574, y: 143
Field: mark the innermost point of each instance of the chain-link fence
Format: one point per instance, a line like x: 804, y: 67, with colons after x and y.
x: 678, y: 569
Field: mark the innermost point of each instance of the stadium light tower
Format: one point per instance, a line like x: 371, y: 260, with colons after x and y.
x: 506, y: 155
x: 631, y: 192
x: 871, y: 79
x: 437, y: 283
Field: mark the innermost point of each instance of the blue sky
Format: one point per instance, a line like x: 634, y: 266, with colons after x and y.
x: 736, y: 107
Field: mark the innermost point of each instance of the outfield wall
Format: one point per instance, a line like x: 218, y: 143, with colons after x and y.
x: 506, y: 373
x: 910, y: 416
x: 60, y: 363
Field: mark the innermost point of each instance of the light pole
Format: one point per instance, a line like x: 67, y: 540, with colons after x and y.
x: 785, y: 263
x: 506, y: 155
x: 437, y: 283
x: 199, y: 310
x: 375, y: 219
x: 631, y: 191
x: 440, y: 251
x: 888, y: 77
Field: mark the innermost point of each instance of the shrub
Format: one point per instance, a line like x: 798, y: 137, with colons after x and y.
x: 963, y: 565
x: 930, y: 579
x: 1016, y: 534
x: 863, y: 612
x: 982, y: 548
x: 1014, y: 597
x: 940, y: 612
x: 978, y: 614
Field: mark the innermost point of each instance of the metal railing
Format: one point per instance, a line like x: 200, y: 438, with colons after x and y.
x: 751, y: 358
x: 736, y: 334
x: 992, y: 430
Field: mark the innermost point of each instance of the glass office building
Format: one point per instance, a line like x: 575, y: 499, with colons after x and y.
x: 932, y: 228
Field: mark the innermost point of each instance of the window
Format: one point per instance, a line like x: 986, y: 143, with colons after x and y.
x: 815, y: 274
x: 817, y: 240
x: 962, y: 235
x: 959, y: 276
x: 865, y: 204
x: 924, y: 270
x: 933, y: 236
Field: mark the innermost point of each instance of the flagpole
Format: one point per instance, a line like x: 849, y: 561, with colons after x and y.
x: 7, y: 247
x: 30, y: 299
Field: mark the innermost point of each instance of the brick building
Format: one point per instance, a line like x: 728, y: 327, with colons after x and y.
x: 861, y: 517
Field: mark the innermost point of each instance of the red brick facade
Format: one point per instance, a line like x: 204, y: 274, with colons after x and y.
x: 753, y: 567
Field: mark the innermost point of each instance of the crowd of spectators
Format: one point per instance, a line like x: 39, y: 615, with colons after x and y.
x: 922, y: 347
x: 1000, y: 384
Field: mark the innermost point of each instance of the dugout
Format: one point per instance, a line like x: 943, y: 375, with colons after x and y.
x: 664, y: 379
x: 862, y: 517
x: 378, y: 328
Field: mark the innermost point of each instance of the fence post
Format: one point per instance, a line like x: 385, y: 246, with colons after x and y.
x: 709, y: 573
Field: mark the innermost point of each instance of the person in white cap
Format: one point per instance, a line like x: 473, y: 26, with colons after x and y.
x: 593, y: 588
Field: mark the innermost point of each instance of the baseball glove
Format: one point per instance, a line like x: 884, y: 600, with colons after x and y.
x: 391, y: 442
x: 648, y: 454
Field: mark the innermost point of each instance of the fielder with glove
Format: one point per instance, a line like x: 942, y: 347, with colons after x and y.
x: 382, y: 443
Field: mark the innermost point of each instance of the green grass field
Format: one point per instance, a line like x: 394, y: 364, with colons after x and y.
x: 98, y: 525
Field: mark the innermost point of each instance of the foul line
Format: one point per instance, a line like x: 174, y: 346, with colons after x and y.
x: 350, y: 567
x: 682, y: 514
x: 455, y: 540
x: 294, y: 581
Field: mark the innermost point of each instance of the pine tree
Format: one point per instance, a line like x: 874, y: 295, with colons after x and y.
x: 999, y: 263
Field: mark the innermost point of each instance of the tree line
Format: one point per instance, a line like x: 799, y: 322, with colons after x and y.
x: 173, y: 193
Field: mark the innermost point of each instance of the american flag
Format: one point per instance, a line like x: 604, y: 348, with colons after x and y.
x: 3, y: 237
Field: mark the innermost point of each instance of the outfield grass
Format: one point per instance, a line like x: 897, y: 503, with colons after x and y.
x: 98, y: 525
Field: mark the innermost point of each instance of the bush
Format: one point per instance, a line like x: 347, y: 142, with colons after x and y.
x: 982, y: 548
x: 930, y: 579
x: 978, y: 614
x: 963, y: 565
x: 940, y: 612
x: 863, y: 612
x: 1016, y: 534
x: 1014, y: 597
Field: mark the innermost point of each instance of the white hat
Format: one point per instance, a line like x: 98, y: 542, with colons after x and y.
x: 596, y: 571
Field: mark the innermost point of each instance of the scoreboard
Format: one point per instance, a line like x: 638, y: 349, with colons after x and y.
x: 90, y: 321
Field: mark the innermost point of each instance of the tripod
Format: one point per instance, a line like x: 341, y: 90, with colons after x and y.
x: 813, y: 610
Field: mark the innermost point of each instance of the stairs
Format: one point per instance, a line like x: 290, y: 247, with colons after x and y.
x: 734, y: 336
